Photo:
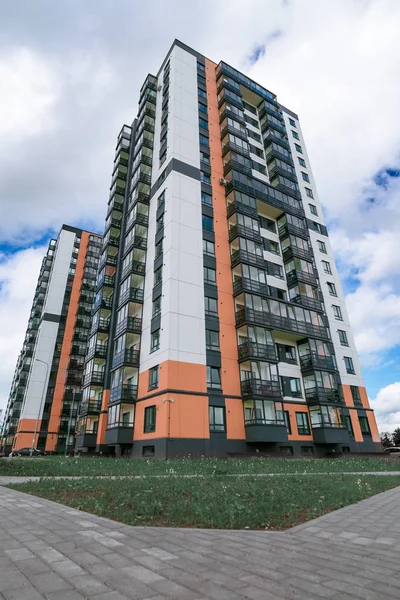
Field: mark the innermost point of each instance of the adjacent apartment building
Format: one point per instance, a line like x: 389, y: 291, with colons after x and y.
x: 219, y: 323
x: 47, y: 384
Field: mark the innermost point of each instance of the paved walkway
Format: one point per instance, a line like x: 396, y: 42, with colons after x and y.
x: 54, y: 552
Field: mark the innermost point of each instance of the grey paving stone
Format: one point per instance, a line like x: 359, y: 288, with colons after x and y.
x: 49, y: 582
x: 26, y: 593
x: 19, y: 554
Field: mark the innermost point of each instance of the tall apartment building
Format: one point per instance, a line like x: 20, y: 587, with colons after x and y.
x: 47, y: 383
x: 219, y: 324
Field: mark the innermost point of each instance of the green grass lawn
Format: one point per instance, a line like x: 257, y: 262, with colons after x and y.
x: 213, y: 501
x: 58, y: 465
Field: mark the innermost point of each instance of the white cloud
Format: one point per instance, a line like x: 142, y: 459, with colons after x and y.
x: 18, y: 278
x: 28, y: 90
x: 387, y: 407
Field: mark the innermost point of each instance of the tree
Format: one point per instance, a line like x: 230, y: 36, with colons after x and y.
x: 396, y: 437
x: 386, y: 439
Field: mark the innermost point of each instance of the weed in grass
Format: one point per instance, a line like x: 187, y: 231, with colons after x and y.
x: 213, y: 501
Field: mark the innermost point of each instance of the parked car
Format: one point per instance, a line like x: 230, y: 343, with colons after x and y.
x: 392, y: 450
x: 27, y: 452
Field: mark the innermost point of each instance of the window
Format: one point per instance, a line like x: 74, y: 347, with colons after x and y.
x: 204, y: 158
x: 210, y: 275
x: 303, y: 426
x: 348, y: 362
x: 275, y: 270
x: 309, y: 194
x: 331, y: 288
x: 270, y: 246
x: 157, y: 306
x: 217, y: 418
x: 337, y: 313
x: 327, y: 267
x: 291, y: 387
x: 268, y: 224
x: 160, y: 223
x: 322, y: 246
x: 201, y: 67
x: 343, y: 337
x: 365, y: 430
x: 214, y: 377
x: 150, y: 419
x: 286, y: 353
x: 155, y: 340
x: 295, y: 135
x: 348, y: 424
x: 212, y: 340
x: 153, y: 378
x: 298, y: 148
x: 159, y: 248
x: 208, y: 223
x: 203, y: 123
x: 211, y: 307
x: 126, y: 418
x: 205, y: 177
x: 161, y: 200
x: 208, y: 248
x: 293, y: 123
x: 305, y: 176
x: 203, y: 140
x: 202, y: 93
x: 302, y: 162
x: 158, y: 276
x: 206, y: 199
x: 355, y: 393
x: 287, y: 421
x: 313, y: 209
x: 163, y: 157
x: 202, y: 108
x: 148, y: 451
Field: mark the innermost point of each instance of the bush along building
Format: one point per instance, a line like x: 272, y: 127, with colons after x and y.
x: 219, y: 323
x: 47, y: 384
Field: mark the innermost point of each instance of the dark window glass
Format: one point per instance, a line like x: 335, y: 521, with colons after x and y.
x: 348, y: 361
x: 212, y: 340
x: 303, y: 426
x: 150, y: 419
x: 211, y: 307
x: 217, y: 418
x: 365, y: 429
x: 343, y: 337
x: 153, y: 378
x: 206, y: 199
x: 355, y: 392
x: 208, y: 223
x: 214, y: 377
x: 155, y: 341
x: 210, y: 275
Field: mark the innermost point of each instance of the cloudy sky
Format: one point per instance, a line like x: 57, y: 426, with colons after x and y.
x: 70, y: 72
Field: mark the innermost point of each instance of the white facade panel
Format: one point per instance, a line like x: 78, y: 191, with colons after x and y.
x: 59, y: 273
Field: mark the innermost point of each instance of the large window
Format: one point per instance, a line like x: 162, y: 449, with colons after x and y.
x: 337, y: 313
x: 291, y: 387
x: 348, y: 361
x: 211, y: 307
x: 155, y: 341
x: 365, y: 429
x: 212, y: 340
x: 303, y: 426
x: 208, y: 248
x: 263, y: 412
x: 205, y: 177
x: 217, y: 418
x: 325, y: 416
x: 343, y: 337
x: 150, y: 419
x: 214, y: 377
x: 153, y: 378
x: 210, y: 276
x: 355, y: 393
x: 208, y: 223
x: 206, y: 199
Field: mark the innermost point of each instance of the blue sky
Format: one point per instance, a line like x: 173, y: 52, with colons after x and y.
x: 69, y: 78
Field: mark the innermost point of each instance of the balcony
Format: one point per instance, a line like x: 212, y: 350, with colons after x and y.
x: 271, y: 321
x: 85, y: 440
x: 317, y: 394
x: 251, y: 350
x: 136, y: 241
x: 130, y: 325
x: 245, y: 232
x: 272, y: 136
x: 100, y: 325
x: 240, y: 132
x: 242, y: 256
x: 138, y: 267
x: 98, y: 350
x: 296, y: 252
x: 260, y: 387
x: 137, y: 219
x: 306, y: 302
x: 268, y: 194
x: 105, y: 302
x: 132, y: 295
x: 265, y: 431
x: 238, y: 166
x: 249, y: 285
x: 313, y: 360
x: 128, y: 357
x: 241, y: 208
x: 92, y: 407
x: 125, y: 392
x: 297, y: 276
x: 324, y: 434
x: 94, y: 377
x: 106, y: 280
x: 288, y: 228
x: 109, y: 259
x: 119, y: 433
x: 231, y: 146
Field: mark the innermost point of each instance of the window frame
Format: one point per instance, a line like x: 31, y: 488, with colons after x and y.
x: 150, y: 419
x: 301, y: 428
x: 216, y: 428
x: 153, y: 381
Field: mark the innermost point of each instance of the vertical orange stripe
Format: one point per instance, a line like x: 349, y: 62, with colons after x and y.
x: 228, y: 340
x: 101, y: 432
x: 57, y: 404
